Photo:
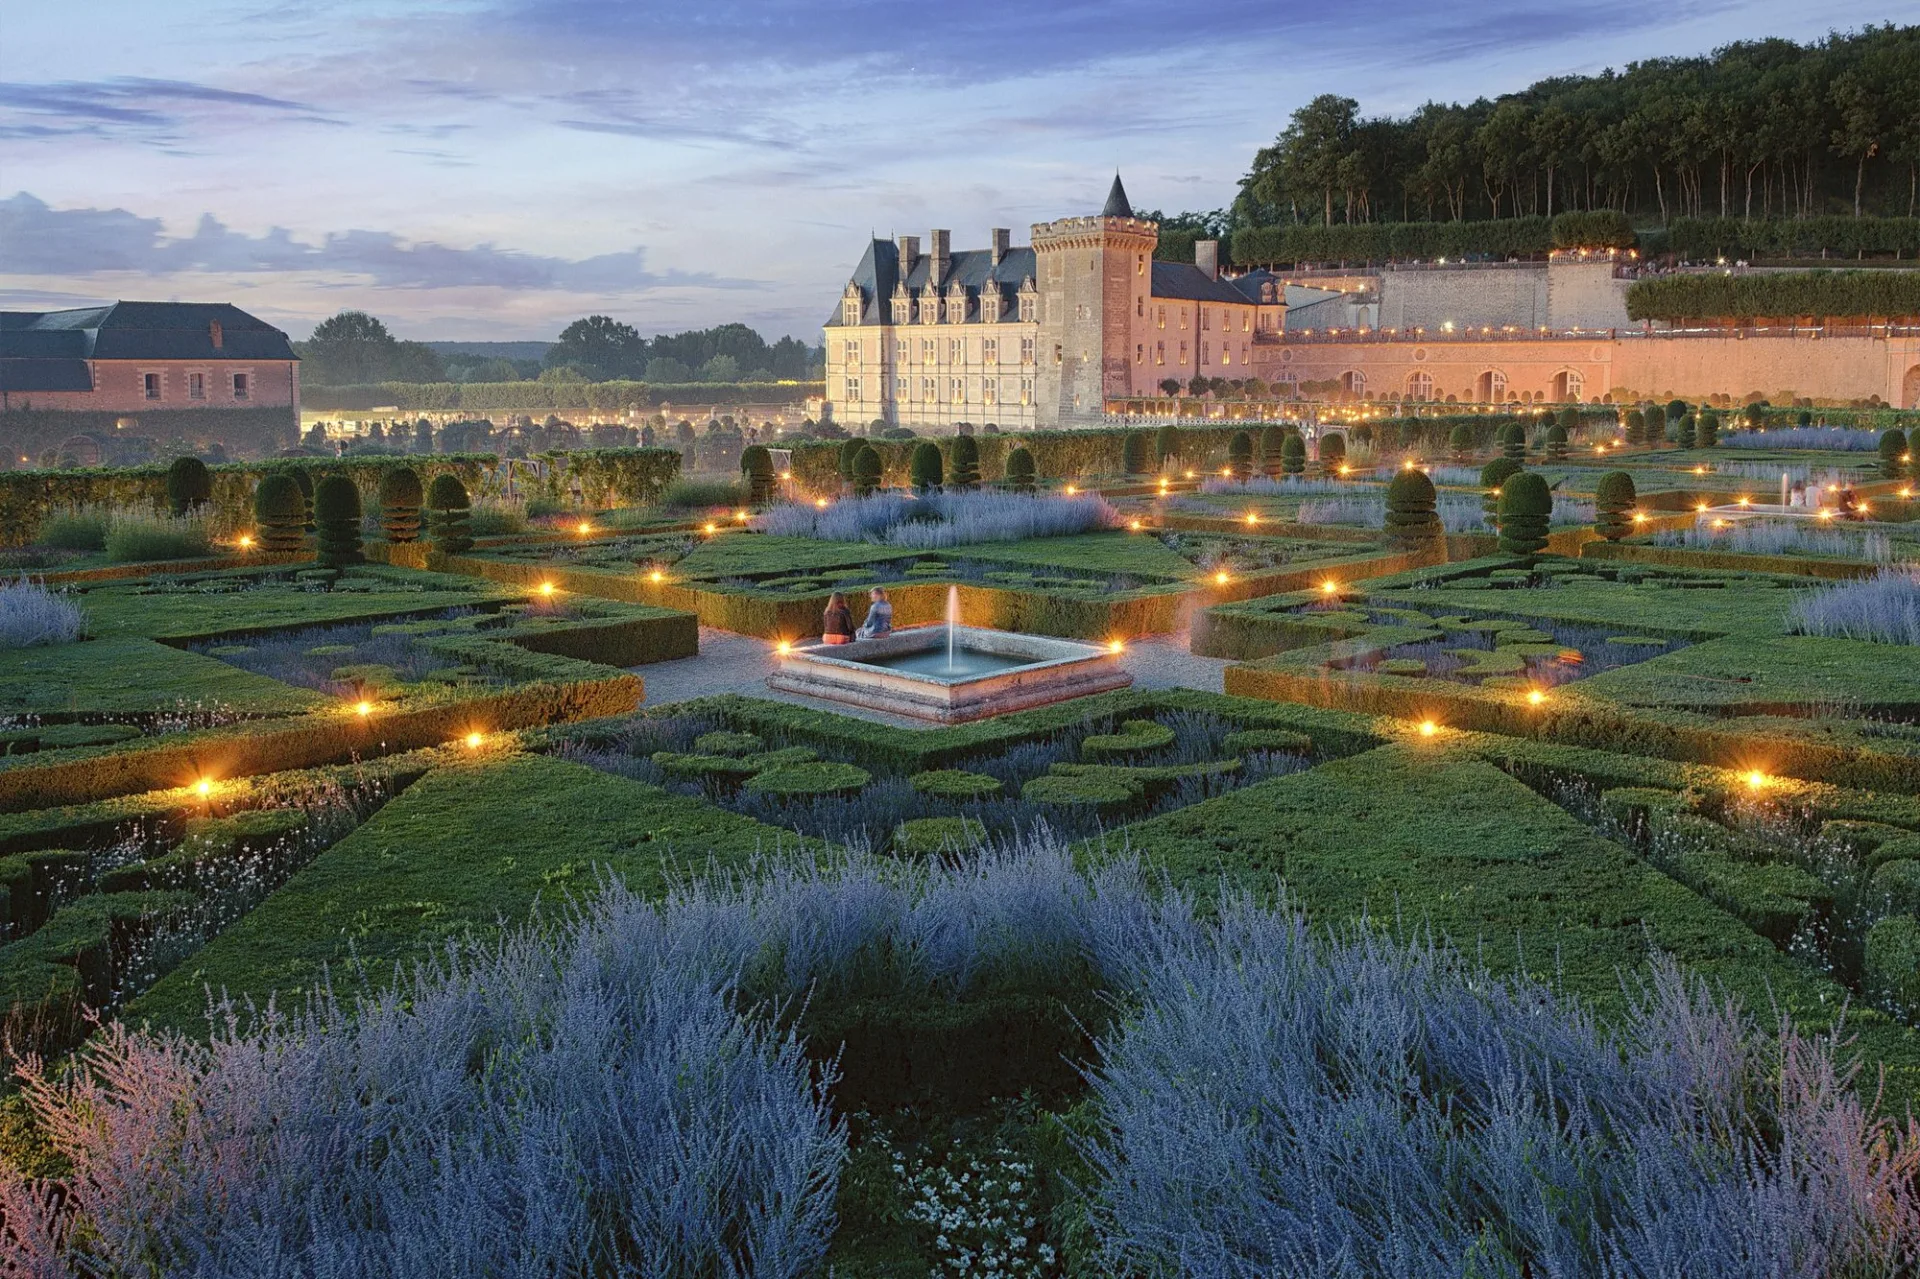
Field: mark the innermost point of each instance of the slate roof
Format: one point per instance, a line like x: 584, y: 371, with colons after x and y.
x: 1117, y: 205
x: 879, y: 273
x: 50, y: 350
x: 1187, y: 282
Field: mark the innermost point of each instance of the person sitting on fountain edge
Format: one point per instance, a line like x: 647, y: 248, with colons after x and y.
x: 879, y: 617
x: 838, y: 625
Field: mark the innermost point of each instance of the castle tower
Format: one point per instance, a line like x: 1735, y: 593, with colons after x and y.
x: 1095, y: 276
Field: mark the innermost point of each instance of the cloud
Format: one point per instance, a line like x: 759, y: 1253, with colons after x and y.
x: 131, y: 106
x: 38, y: 240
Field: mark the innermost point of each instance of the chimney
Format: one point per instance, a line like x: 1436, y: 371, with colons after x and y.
x: 213, y: 333
x: 909, y: 254
x: 1206, y: 256
x: 937, y: 242
x: 1001, y: 239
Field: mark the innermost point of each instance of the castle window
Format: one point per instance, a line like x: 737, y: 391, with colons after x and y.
x: 900, y: 349
x: 902, y: 310
x: 196, y: 386
x: 990, y: 391
x: 853, y: 389
x: 1026, y: 390
x: 1026, y: 309
x: 1206, y: 353
x: 990, y: 308
x: 900, y: 388
x: 1140, y: 264
x: 242, y: 386
x: 957, y: 390
x: 1159, y: 352
x: 929, y: 389
x: 852, y: 349
x: 1226, y: 353
x: 150, y: 383
x: 1243, y: 353
x: 1420, y: 385
x: 1183, y: 353
x: 926, y: 350
x: 1139, y: 352
x: 1206, y: 319
x: 1058, y: 356
x: 1161, y: 317
x: 1026, y: 350
x: 1183, y: 317
x: 956, y: 350
x: 1354, y: 382
x: 850, y: 311
x: 1139, y: 308
x: 990, y: 350
x: 1246, y: 322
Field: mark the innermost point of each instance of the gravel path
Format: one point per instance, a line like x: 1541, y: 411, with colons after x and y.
x: 734, y: 663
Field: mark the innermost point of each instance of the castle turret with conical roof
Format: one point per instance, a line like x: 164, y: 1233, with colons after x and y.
x: 1095, y: 277
x: 1117, y: 205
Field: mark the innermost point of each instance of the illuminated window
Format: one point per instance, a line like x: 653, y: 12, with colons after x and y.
x: 990, y: 350
x: 900, y: 350
x: 1139, y: 352
x: 957, y: 390
x: 853, y: 389
x: 990, y: 391
x: 1183, y: 352
x: 929, y: 389
x: 1183, y: 317
x: 956, y: 350
x: 1226, y: 353
x: 900, y: 388
x: 1206, y: 353
x: 1354, y: 382
x: 1026, y: 350
x: 1206, y: 319
x: 926, y: 350
x: 1420, y: 385
x: 1026, y: 390
x: 1159, y: 352
x: 1160, y: 316
x: 151, y: 383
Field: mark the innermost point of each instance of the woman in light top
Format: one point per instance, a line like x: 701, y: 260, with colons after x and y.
x: 879, y: 616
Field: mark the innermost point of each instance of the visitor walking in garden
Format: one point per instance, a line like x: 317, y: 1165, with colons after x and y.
x: 838, y: 626
x: 879, y: 616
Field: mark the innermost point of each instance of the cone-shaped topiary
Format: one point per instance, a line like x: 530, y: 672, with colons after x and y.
x: 1635, y: 425
x: 280, y: 512
x: 1513, y: 441
x: 1135, y: 455
x: 925, y: 468
x: 336, y: 512
x: 1293, y: 454
x: 849, y: 449
x: 1166, y: 444
x: 866, y: 470
x: 1707, y: 431
x: 1411, y: 502
x: 1333, y: 453
x: 1020, y: 469
x: 756, y: 465
x: 965, y: 472
x: 1893, y: 452
x: 1685, y: 432
x: 1240, y: 456
x: 1614, y: 498
x: 1526, y: 509
x: 1492, y: 476
x: 1272, y: 439
x: 189, y: 485
x: 1460, y: 443
x: 400, y: 501
x: 1557, y: 443
x: 450, y: 514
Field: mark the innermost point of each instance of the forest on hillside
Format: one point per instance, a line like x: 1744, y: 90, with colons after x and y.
x: 1764, y: 129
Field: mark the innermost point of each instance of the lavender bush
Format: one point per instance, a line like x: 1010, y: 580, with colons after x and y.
x: 31, y: 615
x: 1459, y: 513
x: 1842, y: 439
x: 1884, y: 609
x: 941, y: 520
x: 1754, y: 537
x: 1296, y: 486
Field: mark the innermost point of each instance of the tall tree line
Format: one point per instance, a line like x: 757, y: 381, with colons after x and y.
x: 1758, y: 129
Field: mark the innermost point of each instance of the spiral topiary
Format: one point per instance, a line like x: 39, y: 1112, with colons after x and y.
x: 1526, y: 510
x: 1333, y: 453
x: 1020, y: 469
x: 189, y: 485
x: 450, y: 514
x: 1460, y: 443
x: 866, y: 471
x: 400, y: 500
x: 1412, y: 518
x: 1134, y: 454
x: 336, y: 512
x: 1492, y: 476
x: 1240, y: 456
x: 1614, y: 498
x: 1293, y: 454
x: 965, y: 472
x: 1273, y: 438
x: 280, y: 512
x: 1557, y: 443
x: 756, y: 464
x: 1513, y: 442
x: 1893, y: 455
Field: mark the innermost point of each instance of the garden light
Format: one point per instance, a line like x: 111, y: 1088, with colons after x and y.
x: 785, y: 647
x: 1825, y: 514
x: 1906, y: 492
x: 1535, y: 697
x: 820, y: 502
x: 1189, y: 474
x: 204, y: 788
x: 474, y: 740
x: 546, y: 588
x: 245, y: 541
x: 1116, y: 646
x: 1746, y: 501
x: 1072, y: 490
x: 1639, y: 517
x: 1344, y: 468
x: 1134, y: 525
x: 1699, y: 470
x: 1702, y: 508
x: 1252, y: 519
x: 363, y: 709
x: 656, y: 576
x: 1329, y: 588
x: 1220, y: 578
x: 1756, y: 780
x: 740, y: 515
x: 786, y: 475
x: 710, y: 528
x: 1428, y: 728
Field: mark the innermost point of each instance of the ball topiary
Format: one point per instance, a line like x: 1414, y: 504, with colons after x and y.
x: 1614, y: 498
x: 1166, y: 444
x: 866, y: 470
x: 932, y: 836
x: 336, y: 512
x: 1460, y: 443
x: 1240, y: 456
x: 1333, y: 453
x: 1293, y: 454
x: 280, y: 512
x: 189, y: 485
x: 756, y: 466
x: 1526, y: 509
x: 1136, y: 737
x: 1412, y: 518
x: 1492, y: 476
x: 819, y: 780
x: 925, y: 468
x: 1513, y: 442
x: 1557, y: 443
x: 1135, y: 453
x: 1707, y: 430
x: 955, y: 783
x: 1272, y: 439
x: 1684, y: 433
x: 401, y: 498
x: 1020, y: 469
x: 965, y: 472
x: 1893, y: 455
x: 450, y: 514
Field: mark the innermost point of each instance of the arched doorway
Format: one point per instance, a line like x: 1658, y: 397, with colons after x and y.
x: 1490, y: 387
x: 1420, y: 386
x: 1910, y: 392
x: 1568, y: 386
x: 1354, y: 383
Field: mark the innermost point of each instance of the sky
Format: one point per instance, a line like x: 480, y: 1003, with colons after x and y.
x: 493, y: 169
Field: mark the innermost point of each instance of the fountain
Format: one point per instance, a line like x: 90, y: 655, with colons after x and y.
x: 951, y: 673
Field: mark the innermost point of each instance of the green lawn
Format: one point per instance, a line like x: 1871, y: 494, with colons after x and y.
x: 127, y: 674
x: 131, y: 610
x: 744, y: 554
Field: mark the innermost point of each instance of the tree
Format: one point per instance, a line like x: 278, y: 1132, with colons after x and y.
x: 866, y: 471
x: 1020, y: 469
x: 1166, y: 444
x: 602, y: 346
x: 965, y: 472
x: 189, y: 485
x: 280, y: 513
x: 1170, y: 386
x: 450, y: 514
x: 756, y: 464
x: 1614, y: 500
x: 1134, y: 454
x: 1526, y: 512
x: 400, y: 500
x: 1240, y: 456
x: 354, y: 347
x: 1412, y: 520
x: 336, y: 512
x: 1293, y: 454
x: 924, y: 467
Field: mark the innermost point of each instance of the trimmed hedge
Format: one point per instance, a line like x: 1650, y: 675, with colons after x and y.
x: 1136, y: 737
x: 816, y: 779
x: 548, y: 397
x: 956, y: 784
x: 1817, y: 295
x: 1838, y: 235
x: 931, y: 836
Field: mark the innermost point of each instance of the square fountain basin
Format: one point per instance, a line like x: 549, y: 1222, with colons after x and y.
x: 880, y: 674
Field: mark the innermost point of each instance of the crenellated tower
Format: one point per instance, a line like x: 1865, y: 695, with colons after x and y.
x: 1095, y: 276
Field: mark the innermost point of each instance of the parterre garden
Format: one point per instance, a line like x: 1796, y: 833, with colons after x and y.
x: 1520, y: 906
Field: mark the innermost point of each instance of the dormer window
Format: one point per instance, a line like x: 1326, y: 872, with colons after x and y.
x: 850, y: 305
x: 990, y: 307
x: 1029, y: 301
